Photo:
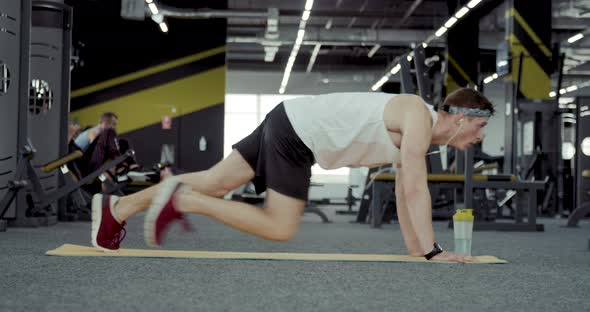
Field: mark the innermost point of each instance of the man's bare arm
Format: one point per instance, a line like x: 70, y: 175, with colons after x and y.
x: 410, y: 238
x: 416, y: 136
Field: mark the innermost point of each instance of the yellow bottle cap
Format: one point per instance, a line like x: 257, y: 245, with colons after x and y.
x: 463, y: 215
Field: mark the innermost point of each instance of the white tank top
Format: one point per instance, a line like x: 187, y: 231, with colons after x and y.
x: 345, y: 129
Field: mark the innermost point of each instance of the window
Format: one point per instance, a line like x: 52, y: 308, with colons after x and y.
x: 240, y: 118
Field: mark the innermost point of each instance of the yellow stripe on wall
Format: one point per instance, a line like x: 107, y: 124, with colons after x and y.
x: 534, y: 83
x: 147, y: 107
x: 146, y: 72
x: 459, y: 69
x: 530, y: 32
x: 452, y: 85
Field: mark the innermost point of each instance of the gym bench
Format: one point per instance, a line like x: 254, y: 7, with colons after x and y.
x: 382, y: 188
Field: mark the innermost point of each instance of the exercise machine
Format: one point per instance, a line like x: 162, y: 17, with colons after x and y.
x: 26, y: 181
x: 14, y: 91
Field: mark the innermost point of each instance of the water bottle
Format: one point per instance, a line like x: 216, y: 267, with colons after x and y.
x: 463, y: 226
x: 203, y: 144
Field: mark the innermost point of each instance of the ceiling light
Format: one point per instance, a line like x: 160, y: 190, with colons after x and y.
x: 575, y: 38
x: 440, y: 31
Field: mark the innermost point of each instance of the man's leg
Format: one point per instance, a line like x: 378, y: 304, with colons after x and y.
x: 217, y: 181
x: 278, y: 221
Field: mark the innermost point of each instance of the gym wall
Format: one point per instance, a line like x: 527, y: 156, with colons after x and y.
x: 146, y: 77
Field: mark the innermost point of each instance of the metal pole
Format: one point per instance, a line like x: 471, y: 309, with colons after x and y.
x: 407, y: 84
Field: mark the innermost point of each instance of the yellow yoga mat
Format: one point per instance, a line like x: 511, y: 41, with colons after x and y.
x: 69, y: 250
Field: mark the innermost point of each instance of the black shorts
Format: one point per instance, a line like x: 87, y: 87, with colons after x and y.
x: 280, y: 160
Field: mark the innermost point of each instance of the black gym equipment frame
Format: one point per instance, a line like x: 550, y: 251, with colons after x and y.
x: 20, y: 85
x: 26, y: 178
x: 582, y: 176
x: 382, y: 187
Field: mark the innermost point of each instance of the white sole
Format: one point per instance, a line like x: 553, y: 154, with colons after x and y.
x: 158, y: 203
x: 96, y: 218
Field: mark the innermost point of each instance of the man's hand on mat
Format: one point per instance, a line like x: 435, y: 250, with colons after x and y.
x: 453, y: 257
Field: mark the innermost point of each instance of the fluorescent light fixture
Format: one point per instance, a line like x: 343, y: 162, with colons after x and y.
x: 373, y: 50
x: 571, y: 88
x: 305, y: 16
x: 495, y: 76
x: 153, y: 8
x: 462, y: 12
x: 300, y: 35
x: 424, y: 45
x: 163, y: 27
x: 302, y: 24
x: 298, y: 42
x: 395, y: 69
x: 440, y: 31
x: 562, y: 91
x: 409, y: 58
x: 149, y: 1
x: 379, y: 83
x: 473, y: 3
x: 451, y: 22
x: 552, y: 94
x: 575, y: 38
x: 502, y: 63
x: 488, y: 79
x: 158, y: 18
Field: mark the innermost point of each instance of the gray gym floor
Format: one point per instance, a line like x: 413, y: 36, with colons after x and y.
x: 548, y: 271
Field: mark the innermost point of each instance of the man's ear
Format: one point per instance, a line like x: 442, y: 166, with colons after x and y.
x: 459, y: 118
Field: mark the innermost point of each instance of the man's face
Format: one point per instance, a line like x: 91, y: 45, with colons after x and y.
x: 110, y: 123
x: 470, y: 132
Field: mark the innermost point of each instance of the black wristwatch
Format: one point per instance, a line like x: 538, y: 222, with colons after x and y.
x: 437, y: 249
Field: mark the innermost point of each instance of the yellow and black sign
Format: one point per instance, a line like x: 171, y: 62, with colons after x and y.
x: 530, y: 35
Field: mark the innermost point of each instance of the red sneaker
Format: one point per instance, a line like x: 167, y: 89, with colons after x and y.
x: 106, y: 230
x: 162, y: 213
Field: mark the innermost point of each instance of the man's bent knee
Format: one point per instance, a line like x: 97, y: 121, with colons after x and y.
x: 282, y: 234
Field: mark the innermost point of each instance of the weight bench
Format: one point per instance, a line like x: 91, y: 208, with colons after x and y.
x: 382, y: 187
